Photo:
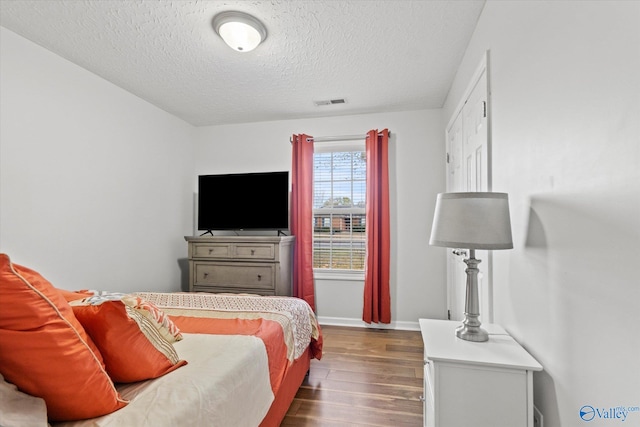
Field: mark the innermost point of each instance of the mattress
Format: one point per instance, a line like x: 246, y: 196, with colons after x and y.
x: 239, y: 349
x: 225, y: 383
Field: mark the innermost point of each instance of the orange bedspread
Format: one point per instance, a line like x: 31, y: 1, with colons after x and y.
x: 268, y: 331
x: 285, y: 325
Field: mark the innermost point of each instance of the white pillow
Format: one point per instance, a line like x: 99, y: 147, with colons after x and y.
x: 20, y: 409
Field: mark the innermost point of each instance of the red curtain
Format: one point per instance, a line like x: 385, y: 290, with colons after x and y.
x: 302, y: 217
x: 377, y: 300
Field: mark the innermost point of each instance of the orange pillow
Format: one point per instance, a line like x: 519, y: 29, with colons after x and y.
x: 45, y: 351
x: 130, y: 343
x: 165, y: 325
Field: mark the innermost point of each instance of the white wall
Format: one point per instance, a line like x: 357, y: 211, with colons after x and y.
x: 565, y: 79
x: 94, y: 182
x: 97, y: 185
x: 416, y: 176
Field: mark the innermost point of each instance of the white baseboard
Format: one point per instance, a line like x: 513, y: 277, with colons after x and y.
x: 359, y: 323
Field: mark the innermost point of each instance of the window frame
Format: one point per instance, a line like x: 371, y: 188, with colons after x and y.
x: 340, y: 274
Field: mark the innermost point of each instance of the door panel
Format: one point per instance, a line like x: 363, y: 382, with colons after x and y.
x: 455, y: 183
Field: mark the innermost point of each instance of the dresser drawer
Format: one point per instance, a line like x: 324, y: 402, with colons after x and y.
x: 212, y: 250
x: 235, y: 275
x: 234, y: 290
x: 254, y: 251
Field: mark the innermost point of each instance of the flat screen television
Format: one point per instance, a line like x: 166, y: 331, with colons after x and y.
x: 244, y: 201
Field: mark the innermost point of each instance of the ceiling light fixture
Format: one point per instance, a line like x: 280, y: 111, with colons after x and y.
x: 241, y: 31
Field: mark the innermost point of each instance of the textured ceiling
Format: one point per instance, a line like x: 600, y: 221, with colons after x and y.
x: 379, y: 55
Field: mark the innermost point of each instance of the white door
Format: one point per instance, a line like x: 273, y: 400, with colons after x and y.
x: 468, y: 169
x: 455, y: 183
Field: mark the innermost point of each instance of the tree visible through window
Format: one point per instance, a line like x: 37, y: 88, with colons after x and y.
x: 339, y: 238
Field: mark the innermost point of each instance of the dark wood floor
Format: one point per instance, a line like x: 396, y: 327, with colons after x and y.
x: 367, y: 377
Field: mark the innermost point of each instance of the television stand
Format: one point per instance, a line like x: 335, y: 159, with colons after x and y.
x: 207, y: 232
x: 241, y: 264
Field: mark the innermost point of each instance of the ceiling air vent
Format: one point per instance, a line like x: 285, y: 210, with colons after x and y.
x: 329, y: 102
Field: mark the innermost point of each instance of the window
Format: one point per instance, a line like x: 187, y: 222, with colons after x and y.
x: 340, y: 174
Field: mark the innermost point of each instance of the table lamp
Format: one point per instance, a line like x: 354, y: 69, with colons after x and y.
x: 472, y: 221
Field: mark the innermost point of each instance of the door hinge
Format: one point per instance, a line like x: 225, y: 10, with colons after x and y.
x: 448, y: 158
x: 448, y: 314
x: 484, y: 108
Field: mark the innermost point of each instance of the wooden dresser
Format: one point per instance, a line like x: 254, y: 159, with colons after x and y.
x: 480, y: 384
x: 241, y: 264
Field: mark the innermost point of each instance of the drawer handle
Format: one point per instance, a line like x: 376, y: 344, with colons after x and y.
x: 210, y: 251
x: 253, y: 252
x: 205, y: 275
x: 259, y: 277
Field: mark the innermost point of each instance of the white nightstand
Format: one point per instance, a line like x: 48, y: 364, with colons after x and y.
x: 480, y: 384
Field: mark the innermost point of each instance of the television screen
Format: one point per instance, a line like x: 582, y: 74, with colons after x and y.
x: 246, y: 201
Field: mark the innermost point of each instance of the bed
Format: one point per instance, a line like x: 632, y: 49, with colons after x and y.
x: 240, y: 360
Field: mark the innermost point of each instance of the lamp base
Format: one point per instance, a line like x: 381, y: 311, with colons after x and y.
x: 470, y: 329
x: 472, y: 333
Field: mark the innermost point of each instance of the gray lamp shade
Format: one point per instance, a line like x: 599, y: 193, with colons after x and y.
x: 472, y: 221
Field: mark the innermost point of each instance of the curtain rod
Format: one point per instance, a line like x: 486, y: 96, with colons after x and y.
x: 336, y: 138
